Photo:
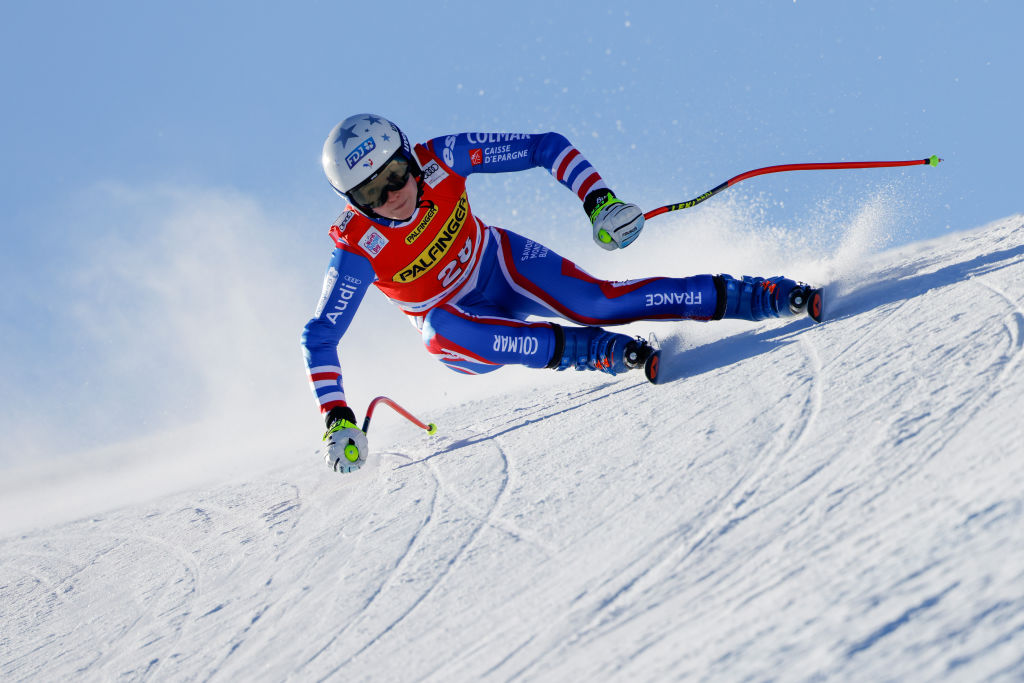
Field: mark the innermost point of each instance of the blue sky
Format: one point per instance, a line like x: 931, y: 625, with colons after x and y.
x: 136, y: 135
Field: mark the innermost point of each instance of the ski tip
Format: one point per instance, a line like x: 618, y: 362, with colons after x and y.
x: 815, y: 306
x: 933, y: 160
x: 652, y: 367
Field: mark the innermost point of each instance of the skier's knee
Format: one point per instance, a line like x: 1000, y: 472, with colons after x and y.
x: 428, y: 329
x: 439, y: 329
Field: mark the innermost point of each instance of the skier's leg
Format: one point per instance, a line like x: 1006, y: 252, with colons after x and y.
x: 475, y: 344
x: 545, y: 283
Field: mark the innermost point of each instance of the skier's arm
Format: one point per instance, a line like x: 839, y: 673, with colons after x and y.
x: 469, y: 153
x: 615, y: 223
x: 347, y: 278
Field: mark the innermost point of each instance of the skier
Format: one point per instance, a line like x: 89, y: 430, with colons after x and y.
x: 471, y: 288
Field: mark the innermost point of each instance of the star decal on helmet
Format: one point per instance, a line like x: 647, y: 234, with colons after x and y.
x: 372, y: 119
x: 345, y: 135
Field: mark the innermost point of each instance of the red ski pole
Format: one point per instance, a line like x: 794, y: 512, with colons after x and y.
x: 430, y: 428
x: 930, y: 161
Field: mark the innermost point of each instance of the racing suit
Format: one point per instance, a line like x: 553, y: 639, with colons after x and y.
x: 471, y: 288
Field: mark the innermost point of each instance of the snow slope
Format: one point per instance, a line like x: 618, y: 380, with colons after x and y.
x: 843, y: 501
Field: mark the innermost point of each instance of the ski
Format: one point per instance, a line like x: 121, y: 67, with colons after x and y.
x: 807, y: 299
x: 652, y: 366
x: 815, y: 305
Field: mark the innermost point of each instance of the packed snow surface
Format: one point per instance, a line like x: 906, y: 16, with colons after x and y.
x: 841, y: 501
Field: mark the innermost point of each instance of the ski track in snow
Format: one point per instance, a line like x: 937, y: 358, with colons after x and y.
x: 486, y: 519
x: 672, y: 552
x: 1014, y: 330
x: 412, y: 547
x: 801, y: 501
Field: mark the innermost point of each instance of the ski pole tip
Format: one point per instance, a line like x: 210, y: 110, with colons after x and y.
x: 431, y: 429
x: 934, y: 160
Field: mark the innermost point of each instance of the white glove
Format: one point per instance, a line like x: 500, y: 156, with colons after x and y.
x: 345, y: 448
x: 616, y: 224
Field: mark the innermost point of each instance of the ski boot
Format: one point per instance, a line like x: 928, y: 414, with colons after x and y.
x: 592, y: 348
x: 806, y: 298
x: 758, y: 298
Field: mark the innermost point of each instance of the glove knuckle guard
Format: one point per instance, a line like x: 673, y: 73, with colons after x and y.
x: 621, y: 222
x: 334, y: 451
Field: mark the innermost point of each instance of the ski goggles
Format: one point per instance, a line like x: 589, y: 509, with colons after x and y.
x: 373, y: 192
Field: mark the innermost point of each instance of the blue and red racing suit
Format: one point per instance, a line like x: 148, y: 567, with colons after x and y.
x: 470, y: 288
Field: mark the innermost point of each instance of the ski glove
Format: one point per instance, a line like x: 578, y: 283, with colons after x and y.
x: 616, y: 223
x: 345, y: 445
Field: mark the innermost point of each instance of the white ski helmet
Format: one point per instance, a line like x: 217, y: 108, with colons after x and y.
x: 359, y: 147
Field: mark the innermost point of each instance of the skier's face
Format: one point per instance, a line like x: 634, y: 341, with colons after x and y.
x: 401, y: 203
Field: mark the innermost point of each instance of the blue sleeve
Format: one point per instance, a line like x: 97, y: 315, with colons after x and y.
x: 468, y: 153
x: 345, y: 283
